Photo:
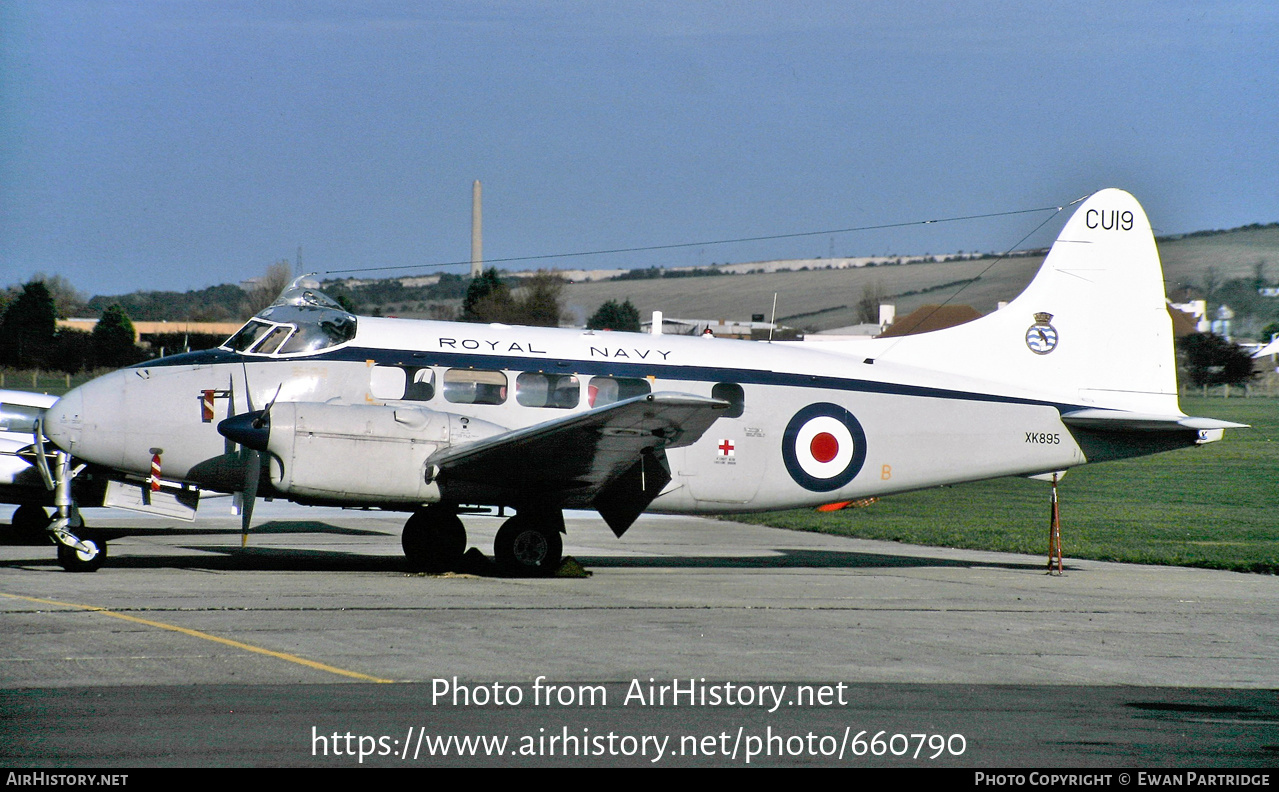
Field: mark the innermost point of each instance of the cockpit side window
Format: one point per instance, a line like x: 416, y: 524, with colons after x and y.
x: 273, y: 339
x: 248, y: 335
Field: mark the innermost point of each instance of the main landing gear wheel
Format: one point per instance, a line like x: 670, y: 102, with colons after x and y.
x: 73, y: 560
x: 434, y: 540
x: 30, y: 521
x: 530, y: 544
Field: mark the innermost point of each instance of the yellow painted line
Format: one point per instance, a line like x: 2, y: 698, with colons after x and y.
x: 206, y: 636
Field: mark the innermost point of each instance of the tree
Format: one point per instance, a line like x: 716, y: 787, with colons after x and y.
x: 278, y: 276
x: 539, y: 301
x: 113, y: 339
x: 614, y: 316
x: 488, y: 298
x: 28, y: 327
x: 1212, y: 360
x: 348, y: 303
x: 1211, y: 282
x: 65, y: 297
x: 868, y: 306
x: 72, y: 350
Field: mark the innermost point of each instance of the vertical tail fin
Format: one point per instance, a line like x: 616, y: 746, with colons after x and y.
x: 1092, y: 328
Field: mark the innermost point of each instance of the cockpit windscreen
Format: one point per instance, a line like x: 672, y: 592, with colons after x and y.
x: 302, y: 320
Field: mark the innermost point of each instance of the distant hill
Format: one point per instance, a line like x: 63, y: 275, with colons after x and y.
x: 823, y: 299
x: 811, y: 296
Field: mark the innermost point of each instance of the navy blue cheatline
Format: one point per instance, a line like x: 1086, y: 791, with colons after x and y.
x: 823, y: 447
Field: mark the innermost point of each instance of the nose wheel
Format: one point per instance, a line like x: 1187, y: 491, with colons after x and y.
x: 86, y: 556
x: 434, y: 540
x: 529, y: 544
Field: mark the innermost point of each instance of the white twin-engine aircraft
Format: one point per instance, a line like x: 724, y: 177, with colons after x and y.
x: 312, y: 404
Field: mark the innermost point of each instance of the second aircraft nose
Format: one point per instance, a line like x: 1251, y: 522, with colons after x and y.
x: 63, y: 421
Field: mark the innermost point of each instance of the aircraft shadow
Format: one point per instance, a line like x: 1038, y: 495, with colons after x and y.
x: 273, y: 559
x: 9, y: 538
x: 795, y: 559
x: 233, y: 558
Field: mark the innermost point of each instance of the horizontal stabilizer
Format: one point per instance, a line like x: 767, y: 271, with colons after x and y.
x: 1123, y: 421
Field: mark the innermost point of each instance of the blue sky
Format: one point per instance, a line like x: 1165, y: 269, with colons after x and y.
x: 167, y: 144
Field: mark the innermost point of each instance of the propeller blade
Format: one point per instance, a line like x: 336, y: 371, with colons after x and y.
x: 229, y: 446
x: 251, y: 430
x: 248, y: 392
x: 252, y: 472
x: 271, y: 404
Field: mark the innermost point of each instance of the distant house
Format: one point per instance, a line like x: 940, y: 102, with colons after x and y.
x: 725, y: 328
x: 930, y: 317
x: 1183, y: 323
x: 887, y: 314
x: 1197, y: 310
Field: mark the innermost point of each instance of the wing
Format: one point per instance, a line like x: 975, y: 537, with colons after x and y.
x: 610, y: 458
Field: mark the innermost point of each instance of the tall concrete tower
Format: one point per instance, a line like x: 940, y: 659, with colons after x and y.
x: 477, y: 233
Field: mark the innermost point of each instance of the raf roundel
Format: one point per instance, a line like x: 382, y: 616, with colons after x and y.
x: 823, y: 447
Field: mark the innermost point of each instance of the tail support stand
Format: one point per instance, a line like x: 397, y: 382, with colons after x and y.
x: 1054, y: 534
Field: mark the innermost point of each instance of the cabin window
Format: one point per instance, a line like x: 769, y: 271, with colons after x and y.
x: 732, y: 393
x: 558, y: 391
x: 419, y: 383
x: 607, y: 390
x: 472, y: 386
x: 386, y: 382
x: 394, y: 383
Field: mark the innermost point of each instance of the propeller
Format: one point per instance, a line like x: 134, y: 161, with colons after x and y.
x: 252, y: 431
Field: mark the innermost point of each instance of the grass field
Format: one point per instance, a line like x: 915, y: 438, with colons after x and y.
x: 1216, y: 506
x: 54, y: 383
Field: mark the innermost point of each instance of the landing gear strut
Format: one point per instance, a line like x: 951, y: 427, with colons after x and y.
x: 77, y: 550
x: 434, y: 539
x: 529, y: 543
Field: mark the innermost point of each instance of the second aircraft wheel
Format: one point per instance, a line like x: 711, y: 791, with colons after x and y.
x: 529, y: 544
x: 434, y: 540
x: 30, y: 521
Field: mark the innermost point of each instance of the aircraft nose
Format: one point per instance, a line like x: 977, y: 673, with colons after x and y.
x: 64, y: 420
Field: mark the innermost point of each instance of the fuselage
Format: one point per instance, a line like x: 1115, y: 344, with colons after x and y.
x: 805, y: 426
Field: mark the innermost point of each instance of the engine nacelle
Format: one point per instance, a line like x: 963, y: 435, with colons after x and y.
x: 363, y: 453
